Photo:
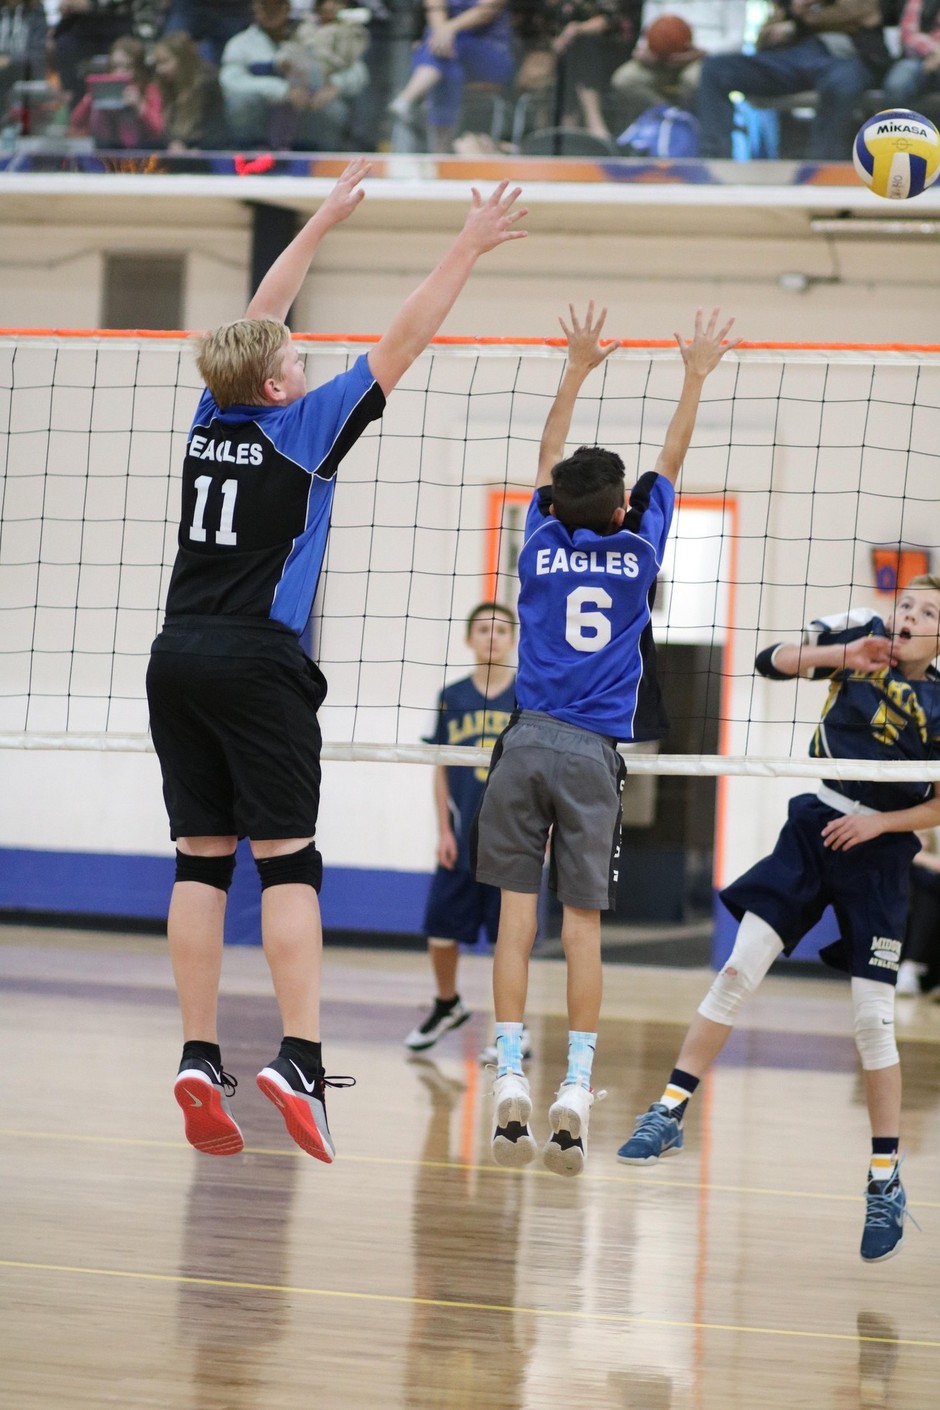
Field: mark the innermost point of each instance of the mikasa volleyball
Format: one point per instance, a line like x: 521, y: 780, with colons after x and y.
x: 897, y: 153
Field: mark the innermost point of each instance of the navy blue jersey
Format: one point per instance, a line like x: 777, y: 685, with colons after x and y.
x: 585, y: 641
x: 874, y: 715
x: 257, y: 495
x: 464, y: 716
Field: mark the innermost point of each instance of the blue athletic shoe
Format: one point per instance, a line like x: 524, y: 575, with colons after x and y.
x: 656, y: 1134
x: 886, y: 1207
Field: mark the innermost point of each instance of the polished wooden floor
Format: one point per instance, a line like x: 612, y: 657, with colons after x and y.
x: 413, y: 1274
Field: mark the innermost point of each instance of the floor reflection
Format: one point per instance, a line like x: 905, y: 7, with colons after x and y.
x: 877, y: 1360
x: 237, y: 1230
x: 465, y: 1239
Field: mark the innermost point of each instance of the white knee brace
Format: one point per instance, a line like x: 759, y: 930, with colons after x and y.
x: 873, y: 1003
x: 755, y: 949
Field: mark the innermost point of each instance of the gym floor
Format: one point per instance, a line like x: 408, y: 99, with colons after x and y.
x: 414, y: 1274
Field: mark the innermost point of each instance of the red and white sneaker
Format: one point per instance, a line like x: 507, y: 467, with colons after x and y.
x: 302, y: 1103
x: 203, y: 1091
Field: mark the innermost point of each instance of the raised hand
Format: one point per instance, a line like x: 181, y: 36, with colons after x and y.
x: 490, y: 223
x: 707, y: 347
x: 347, y: 193
x: 584, y: 347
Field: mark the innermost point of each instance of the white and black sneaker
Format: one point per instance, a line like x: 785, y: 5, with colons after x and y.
x: 514, y: 1146
x: 565, y: 1151
x: 203, y: 1091
x: 301, y: 1101
x: 445, y: 1015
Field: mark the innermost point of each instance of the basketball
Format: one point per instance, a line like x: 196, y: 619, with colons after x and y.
x: 897, y: 153
x: 668, y: 35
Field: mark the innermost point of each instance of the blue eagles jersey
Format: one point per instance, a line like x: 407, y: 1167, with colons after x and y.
x: 586, y: 651
x: 257, y: 495
x: 881, y: 715
x: 464, y: 716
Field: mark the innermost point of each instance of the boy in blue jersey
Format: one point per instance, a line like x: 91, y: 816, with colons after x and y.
x: 850, y: 847
x: 472, y: 712
x: 233, y: 698
x: 587, y: 571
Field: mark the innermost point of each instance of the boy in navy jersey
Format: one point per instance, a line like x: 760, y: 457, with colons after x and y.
x: 587, y: 570
x: 233, y: 698
x: 472, y: 712
x: 849, y: 846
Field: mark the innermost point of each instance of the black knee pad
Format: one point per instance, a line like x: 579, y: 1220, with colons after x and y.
x: 304, y: 867
x: 211, y: 871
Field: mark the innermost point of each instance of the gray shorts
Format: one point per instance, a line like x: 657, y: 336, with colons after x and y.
x: 548, y: 775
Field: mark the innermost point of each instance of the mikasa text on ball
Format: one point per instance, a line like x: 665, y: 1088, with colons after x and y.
x: 897, y: 153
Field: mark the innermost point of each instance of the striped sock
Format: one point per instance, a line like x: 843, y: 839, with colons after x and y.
x: 679, y: 1089
x: 884, y: 1158
x: 580, y: 1057
x: 508, y: 1048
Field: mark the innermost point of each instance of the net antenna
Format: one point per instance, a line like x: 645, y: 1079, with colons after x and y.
x: 810, y: 488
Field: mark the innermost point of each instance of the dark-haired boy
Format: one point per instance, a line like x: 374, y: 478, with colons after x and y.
x: 587, y: 570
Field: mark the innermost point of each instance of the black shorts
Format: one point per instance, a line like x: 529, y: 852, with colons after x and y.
x: 867, y: 887
x: 458, y: 907
x: 233, y: 715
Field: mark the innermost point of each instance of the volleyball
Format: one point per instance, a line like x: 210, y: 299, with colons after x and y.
x: 897, y: 153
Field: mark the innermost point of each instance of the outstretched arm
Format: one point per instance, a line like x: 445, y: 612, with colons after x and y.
x: 701, y: 356
x: 488, y: 224
x: 584, y: 354
x: 281, y: 285
x: 865, y: 653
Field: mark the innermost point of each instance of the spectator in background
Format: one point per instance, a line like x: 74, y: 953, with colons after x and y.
x: 838, y: 49
x: 664, y: 68
x: 263, y: 70
x: 465, y: 41
x: 576, y: 44
x: 22, y: 44
x: 918, y: 71
x: 131, y: 117
x: 193, y: 111
x: 212, y: 23
x: 323, y: 64
x: 86, y: 29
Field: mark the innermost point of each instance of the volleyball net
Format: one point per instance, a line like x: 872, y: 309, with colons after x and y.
x: 810, y: 488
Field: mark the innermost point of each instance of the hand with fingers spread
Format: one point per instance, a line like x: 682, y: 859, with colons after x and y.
x: 707, y: 347
x: 347, y: 193
x: 492, y: 222
x: 584, y: 346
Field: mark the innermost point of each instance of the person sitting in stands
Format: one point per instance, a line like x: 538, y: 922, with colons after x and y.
x: 193, y: 111
x: 260, y: 74
x: 838, y: 49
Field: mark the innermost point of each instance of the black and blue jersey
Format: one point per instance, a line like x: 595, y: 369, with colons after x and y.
x: 586, y: 652
x: 257, y: 496
x: 874, y: 715
x: 465, y: 716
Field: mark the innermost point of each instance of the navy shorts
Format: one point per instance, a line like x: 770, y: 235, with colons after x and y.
x: 458, y: 907
x: 867, y: 888
x: 236, y: 734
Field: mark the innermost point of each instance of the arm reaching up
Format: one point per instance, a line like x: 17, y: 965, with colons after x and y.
x: 701, y: 356
x: 281, y: 285
x: 488, y: 224
x: 584, y: 354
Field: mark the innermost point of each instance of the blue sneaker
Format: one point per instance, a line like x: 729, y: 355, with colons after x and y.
x: 656, y: 1134
x: 886, y: 1207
